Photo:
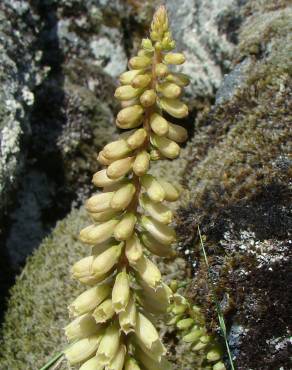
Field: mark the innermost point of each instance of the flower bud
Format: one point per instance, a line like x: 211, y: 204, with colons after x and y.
x: 140, y: 62
x: 155, y: 247
x: 89, y: 299
x: 133, y: 249
x: 219, y: 366
x: 155, y: 155
x: 120, y: 167
x: 129, y: 103
x: 174, y: 58
x: 141, y: 163
x: 148, y: 336
x: 161, y: 70
x: 125, y: 227
x: 137, y: 138
x: 162, y: 233
x: 158, y: 211
x: 130, y: 117
x: 82, y: 327
x: 169, y: 89
x: 147, y: 44
x: 101, y: 179
x: 123, y: 197
x: 99, y: 202
x: 141, y: 81
x: 95, y: 234
x: 158, y: 124
x: 103, y: 312
x: 213, y: 355
x: 102, y: 159
x: 131, y: 364
x: 83, y: 349
x: 104, y: 215
x: 177, y: 133
x: 174, y: 107
x: 107, y: 260
x: 117, y: 363
x: 91, y: 364
x: 116, y: 149
x: 168, y: 148
x: 109, y: 344
x: 121, y: 292
x: 126, y: 92
x: 153, y: 188
x: 127, y: 318
x: 148, y: 98
x: 171, y: 192
x: 185, y: 323
x: 82, y: 270
x: 179, y: 79
x: 126, y: 78
x: 148, y: 271
x: 193, y: 336
x: 199, y: 346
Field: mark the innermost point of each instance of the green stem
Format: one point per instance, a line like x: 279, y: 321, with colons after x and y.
x: 218, y: 308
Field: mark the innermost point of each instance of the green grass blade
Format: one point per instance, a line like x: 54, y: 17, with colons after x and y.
x: 218, y: 308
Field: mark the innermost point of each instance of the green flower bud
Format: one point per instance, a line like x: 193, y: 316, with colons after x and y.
x: 147, y: 44
x: 140, y: 62
x: 213, y: 355
x: 219, y: 366
x: 168, y: 148
x: 177, y: 133
x: 161, y: 70
x: 193, y: 336
x: 131, y: 364
x: 179, y: 79
x: 141, y: 81
x: 153, y: 188
x: 158, y: 211
x: 158, y: 124
x: 185, y: 324
x: 171, y: 193
x: 127, y: 92
x: 162, y: 233
x: 148, y: 98
x: 126, y: 78
x: 174, y: 58
x: 169, y: 89
x: 141, y: 163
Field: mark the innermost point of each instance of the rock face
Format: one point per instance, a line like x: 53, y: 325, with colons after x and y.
x: 235, y: 169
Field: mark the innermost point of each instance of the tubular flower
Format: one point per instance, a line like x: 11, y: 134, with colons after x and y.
x: 111, y: 327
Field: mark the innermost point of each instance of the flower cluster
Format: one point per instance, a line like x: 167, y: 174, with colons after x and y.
x: 112, y: 327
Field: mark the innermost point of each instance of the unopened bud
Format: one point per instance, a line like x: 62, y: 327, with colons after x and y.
x: 174, y: 58
x: 82, y: 327
x: 179, y: 79
x: 169, y: 89
x: 158, y: 211
x: 155, y: 155
x: 161, y: 70
x: 101, y: 179
x: 137, y: 138
x: 91, y: 364
x: 140, y: 62
x: 141, y: 81
x: 126, y: 78
x: 123, y: 197
x: 153, y: 188
x: 125, y: 227
x: 89, y: 299
x: 82, y: 349
x: 116, y: 149
x: 213, y: 355
x: 147, y: 44
x: 193, y: 336
x: 133, y: 249
x: 109, y: 344
x: 95, y: 234
x: 102, y: 159
x: 174, y: 107
x: 168, y: 148
x: 99, y: 202
x: 219, y: 366
x: 141, y: 163
x: 127, y: 318
x: 103, y: 312
x: 185, y: 324
x: 120, y: 167
x: 148, y: 271
x: 158, y: 124
x: 130, y: 117
x: 148, y: 98
x: 177, y: 133
x: 104, y: 216
x: 171, y: 193
x: 126, y: 92
x: 162, y: 233
x: 107, y: 260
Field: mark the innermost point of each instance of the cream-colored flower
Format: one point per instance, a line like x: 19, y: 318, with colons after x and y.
x: 83, y: 349
x: 109, y: 344
x: 117, y: 363
x: 121, y: 292
x: 127, y: 318
x: 103, y: 312
x: 82, y: 327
